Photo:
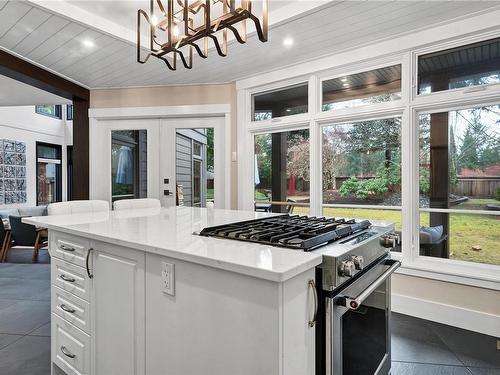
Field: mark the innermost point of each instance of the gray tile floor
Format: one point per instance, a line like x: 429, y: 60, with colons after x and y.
x: 419, y: 347
x: 25, y: 314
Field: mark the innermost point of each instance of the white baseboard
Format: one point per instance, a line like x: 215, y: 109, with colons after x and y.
x: 471, y: 320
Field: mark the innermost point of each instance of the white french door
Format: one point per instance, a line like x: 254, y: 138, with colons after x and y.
x: 194, y: 182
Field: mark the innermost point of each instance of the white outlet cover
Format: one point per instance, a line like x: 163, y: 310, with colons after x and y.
x: 168, y: 278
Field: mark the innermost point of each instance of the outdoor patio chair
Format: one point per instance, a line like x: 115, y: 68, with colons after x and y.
x: 290, y: 207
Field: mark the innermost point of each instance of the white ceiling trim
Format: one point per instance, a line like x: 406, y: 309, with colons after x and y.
x: 86, y: 18
x: 93, y: 20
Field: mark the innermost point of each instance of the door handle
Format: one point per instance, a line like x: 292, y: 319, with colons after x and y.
x: 354, y: 303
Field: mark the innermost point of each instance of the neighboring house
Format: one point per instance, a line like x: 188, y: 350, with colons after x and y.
x: 490, y: 171
x: 191, y: 165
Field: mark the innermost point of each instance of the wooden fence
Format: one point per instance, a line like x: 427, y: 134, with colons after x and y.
x: 479, y: 187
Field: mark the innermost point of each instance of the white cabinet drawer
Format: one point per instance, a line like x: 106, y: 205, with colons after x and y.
x: 70, y: 347
x: 70, y: 278
x: 73, y: 309
x: 69, y: 248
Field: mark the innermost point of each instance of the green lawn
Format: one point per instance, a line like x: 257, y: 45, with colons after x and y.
x: 466, y: 230
x: 210, y: 194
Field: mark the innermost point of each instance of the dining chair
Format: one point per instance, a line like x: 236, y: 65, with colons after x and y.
x: 75, y: 207
x: 4, y: 240
x: 127, y: 204
x: 25, y: 235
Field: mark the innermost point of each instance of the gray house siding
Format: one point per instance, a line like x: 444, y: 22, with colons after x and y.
x: 184, y: 166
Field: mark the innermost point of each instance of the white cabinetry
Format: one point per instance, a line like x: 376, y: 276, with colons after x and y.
x: 225, y: 323
x: 117, y: 310
x: 115, y: 319
x: 98, y: 321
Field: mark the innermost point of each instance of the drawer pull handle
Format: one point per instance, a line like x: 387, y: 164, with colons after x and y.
x: 67, y: 353
x: 66, y: 248
x: 66, y: 278
x: 67, y: 309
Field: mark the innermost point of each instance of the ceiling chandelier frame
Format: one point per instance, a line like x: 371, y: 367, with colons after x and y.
x: 234, y: 18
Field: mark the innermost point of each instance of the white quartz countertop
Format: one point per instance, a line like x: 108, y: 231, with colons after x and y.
x: 169, y: 232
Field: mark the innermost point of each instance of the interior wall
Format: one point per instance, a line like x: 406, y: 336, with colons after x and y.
x: 174, y: 96
x: 23, y: 124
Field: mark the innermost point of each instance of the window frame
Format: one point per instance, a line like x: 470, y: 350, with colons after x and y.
x: 68, y: 111
x: 360, y: 69
x: 58, y: 162
x: 58, y: 109
x: 276, y: 86
x: 408, y: 107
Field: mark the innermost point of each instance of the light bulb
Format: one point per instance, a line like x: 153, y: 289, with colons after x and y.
x: 154, y: 20
x: 176, y: 30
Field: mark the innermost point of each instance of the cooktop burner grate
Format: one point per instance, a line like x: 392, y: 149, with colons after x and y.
x: 291, y: 231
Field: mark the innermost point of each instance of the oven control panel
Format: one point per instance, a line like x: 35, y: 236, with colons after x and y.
x: 348, y: 267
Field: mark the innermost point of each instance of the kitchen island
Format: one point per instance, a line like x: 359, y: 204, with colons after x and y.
x: 138, y: 292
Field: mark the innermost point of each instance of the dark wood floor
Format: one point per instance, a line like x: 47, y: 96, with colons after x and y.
x: 419, y: 347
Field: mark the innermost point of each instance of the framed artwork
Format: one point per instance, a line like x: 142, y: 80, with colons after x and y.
x: 12, y: 172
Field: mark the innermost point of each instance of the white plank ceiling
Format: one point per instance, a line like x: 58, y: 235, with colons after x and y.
x: 56, y: 41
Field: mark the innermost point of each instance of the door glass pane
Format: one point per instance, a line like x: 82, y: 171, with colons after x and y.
x: 48, y: 152
x: 362, y: 162
x: 279, y: 103
x: 371, y: 87
x: 129, y: 164
x: 282, y: 171
x: 469, y: 65
x: 47, y: 182
x: 197, y: 175
x: 195, y: 168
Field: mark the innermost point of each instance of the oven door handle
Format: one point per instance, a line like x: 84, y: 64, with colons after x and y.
x: 354, y: 303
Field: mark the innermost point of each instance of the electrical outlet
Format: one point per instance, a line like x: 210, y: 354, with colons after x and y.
x: 168, y: 278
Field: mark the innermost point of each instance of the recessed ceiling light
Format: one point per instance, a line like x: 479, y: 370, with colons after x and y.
x: 344, y: 79
x: 345, y: 85
x: 88, y: 43
x: 288, y: 42
x: 288, y: 110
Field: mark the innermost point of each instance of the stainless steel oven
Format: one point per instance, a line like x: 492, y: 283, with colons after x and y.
x: 357, y: 323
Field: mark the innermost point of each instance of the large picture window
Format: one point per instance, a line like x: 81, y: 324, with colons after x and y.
x: 459, y: 169
x: 372, y: 149
x: 362, y: 166
x: 48, y: 173
x: 282, y: 172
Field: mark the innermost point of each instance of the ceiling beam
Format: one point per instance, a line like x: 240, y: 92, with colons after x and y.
x: 21, y: 70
